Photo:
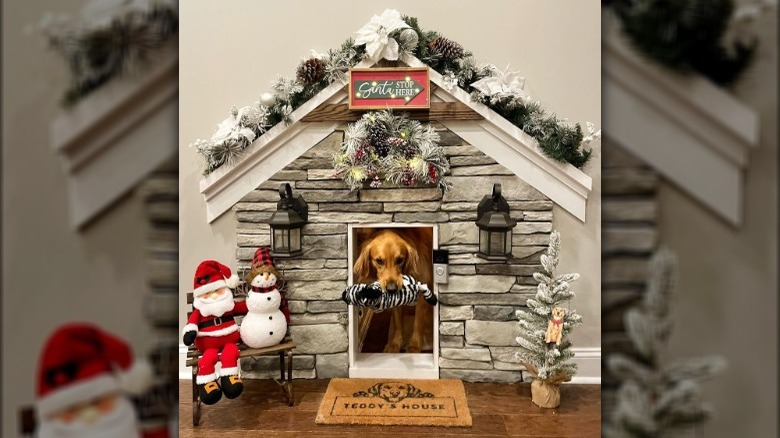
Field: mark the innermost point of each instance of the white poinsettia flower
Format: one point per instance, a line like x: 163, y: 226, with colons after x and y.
x: 225, y: 130
x: 503, y: 84
x: 376, y: 35
x: 593, y: 134
x: 247, y: 133
x: 100, y: 13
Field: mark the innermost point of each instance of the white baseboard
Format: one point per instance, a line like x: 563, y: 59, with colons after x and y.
x: 185, y: 373
x: 588, y: 361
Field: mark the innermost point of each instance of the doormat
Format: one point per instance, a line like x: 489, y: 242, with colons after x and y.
x: 395, y: 402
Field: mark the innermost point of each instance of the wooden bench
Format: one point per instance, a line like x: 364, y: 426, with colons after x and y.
x: 284, y: 350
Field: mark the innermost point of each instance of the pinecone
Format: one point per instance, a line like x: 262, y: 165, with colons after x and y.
x: 446, y: 48
x: 378, y: 139
x: 311, y: 71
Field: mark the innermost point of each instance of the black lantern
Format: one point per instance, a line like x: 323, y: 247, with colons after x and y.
x: 291, y: 215
x: 495, y: 227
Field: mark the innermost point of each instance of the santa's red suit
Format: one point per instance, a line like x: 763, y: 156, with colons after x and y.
x: 213, y: 329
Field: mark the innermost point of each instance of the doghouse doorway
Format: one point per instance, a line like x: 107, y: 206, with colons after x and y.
x: 376, y: 364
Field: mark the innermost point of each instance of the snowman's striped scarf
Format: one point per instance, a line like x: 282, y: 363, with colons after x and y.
x: 359, y: 295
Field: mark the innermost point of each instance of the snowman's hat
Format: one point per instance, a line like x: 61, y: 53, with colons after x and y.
x: 262, y: 263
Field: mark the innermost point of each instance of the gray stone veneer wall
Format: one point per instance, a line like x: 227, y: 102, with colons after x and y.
x: 629, y: 237
x: 477, y: 325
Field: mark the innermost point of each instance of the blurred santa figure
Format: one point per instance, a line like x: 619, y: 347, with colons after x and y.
x: 85, y: 379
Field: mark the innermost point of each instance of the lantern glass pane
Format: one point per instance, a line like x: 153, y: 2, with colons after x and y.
x: 497, y: 239
x: 484, y: 240
x: 295, y: 239
x: 280, y: 242
x: 508, y: 242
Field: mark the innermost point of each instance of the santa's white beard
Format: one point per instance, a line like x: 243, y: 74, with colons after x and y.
x: 214, y: 308
x: 119, y: 423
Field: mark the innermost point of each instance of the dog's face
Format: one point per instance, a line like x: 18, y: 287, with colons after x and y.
x: 385, y: 257
x: 558, y: 313
x: 393, y: 392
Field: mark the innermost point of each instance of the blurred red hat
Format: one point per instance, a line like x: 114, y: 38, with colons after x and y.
x: 81, y: 362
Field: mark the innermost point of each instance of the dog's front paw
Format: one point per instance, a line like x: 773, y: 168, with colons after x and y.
x: 393, y: 347
x: 413, y: 349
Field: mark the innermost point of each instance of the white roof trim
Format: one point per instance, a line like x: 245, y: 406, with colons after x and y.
x: 563, y: 183
x: 103, y: 149
x: 566, y: 185
x: 695, y: 134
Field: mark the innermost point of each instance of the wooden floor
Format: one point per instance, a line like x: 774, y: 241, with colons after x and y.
x: 498, y: 410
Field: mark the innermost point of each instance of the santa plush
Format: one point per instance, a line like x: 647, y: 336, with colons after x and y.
x: 213, y: 330
x: 84, y: 381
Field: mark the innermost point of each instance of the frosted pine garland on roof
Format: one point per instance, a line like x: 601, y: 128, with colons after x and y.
x: 389, y: 36
x: 548, y: 362
x: 233, y: 135
x: 657, y: 400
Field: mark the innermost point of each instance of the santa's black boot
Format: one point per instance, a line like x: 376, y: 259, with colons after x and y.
x: 232, y: 386
x: 209, y: 393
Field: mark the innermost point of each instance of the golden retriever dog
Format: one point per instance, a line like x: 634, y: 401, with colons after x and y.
x: 386, y: 255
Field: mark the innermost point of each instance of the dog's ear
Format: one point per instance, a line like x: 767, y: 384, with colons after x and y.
x: 363, y: 266
x: 412, y: 263
x: 376, y: 389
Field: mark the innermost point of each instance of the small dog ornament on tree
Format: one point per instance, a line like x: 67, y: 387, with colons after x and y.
x: 555, y: 327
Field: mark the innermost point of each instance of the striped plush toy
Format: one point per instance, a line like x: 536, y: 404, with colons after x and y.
x: 371, y: 296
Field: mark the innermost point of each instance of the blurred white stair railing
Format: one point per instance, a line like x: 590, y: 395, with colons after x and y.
x: 113, y: 138
x: 695, y: 134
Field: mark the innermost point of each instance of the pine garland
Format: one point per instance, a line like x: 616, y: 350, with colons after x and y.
x: 686, y: 36
x: 383, y: 146
x: 557, y: 139
x: 548, y: 362
x: 234, y: 135
x: 96, y: 56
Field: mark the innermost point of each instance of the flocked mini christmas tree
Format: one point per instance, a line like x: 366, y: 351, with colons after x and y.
x: 657, y: 400
x: 544, y: 329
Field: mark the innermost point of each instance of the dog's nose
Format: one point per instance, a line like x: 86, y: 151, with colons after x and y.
x: 391, y: 287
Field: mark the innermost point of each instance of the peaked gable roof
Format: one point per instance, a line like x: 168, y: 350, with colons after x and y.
x: 563, y: 183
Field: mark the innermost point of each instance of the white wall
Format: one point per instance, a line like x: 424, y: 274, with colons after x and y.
x: 727, y: 294
x: 52, y: 274
x: 230, y: 51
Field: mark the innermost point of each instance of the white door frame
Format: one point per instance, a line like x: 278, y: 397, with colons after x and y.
x: 391, y: 365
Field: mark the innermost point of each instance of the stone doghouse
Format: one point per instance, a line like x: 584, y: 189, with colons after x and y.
x: 475, y: 323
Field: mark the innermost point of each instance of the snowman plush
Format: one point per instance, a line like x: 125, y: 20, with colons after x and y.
x: 265, y: 323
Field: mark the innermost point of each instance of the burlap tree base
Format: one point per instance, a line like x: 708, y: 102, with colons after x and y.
x: 545, y: 395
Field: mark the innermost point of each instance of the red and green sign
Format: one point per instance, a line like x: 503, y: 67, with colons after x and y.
x: 379, y: 88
